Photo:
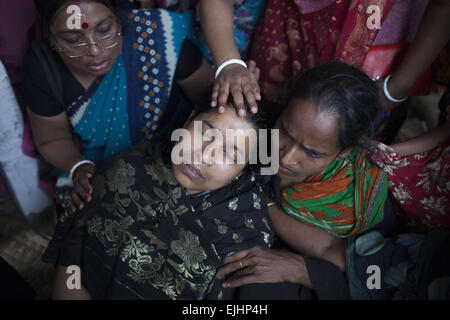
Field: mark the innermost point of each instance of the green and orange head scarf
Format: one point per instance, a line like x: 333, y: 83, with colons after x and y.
x: 346, y: 198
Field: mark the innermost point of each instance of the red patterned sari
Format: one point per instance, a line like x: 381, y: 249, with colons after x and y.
x: 295, y: 35
x: 419, y: 184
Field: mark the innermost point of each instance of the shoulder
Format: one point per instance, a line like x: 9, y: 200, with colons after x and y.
x: 37, y: 91
x: 32, y: 66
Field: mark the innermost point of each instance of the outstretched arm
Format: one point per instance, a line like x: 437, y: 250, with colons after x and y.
x: 427, y: 141
x: 307, y: 240
x: 217, y: 24
x: 53, y: 138
x: 432, y: 36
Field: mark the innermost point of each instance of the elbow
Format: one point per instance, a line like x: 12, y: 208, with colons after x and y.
x: 334, y: 252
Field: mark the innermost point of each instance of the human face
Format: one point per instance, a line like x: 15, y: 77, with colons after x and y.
x: 309, y: 141
x: 211, y: 174
x: 101, y: 22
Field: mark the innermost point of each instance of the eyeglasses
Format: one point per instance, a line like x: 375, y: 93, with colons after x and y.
x: 82, y: 49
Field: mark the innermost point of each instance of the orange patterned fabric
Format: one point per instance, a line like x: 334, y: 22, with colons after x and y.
x: 345, y: 199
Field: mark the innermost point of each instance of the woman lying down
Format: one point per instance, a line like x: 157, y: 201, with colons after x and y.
x: 159, y: 230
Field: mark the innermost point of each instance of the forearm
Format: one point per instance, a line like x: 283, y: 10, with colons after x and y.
x: 307, y: 240
x: 301, y: 276
x: 217, y: 22
x: 432, y: 36
x: 424, y: 142
x: 61, y: 153
x: 53, y: 139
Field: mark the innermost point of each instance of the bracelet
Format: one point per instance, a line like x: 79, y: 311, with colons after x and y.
x: 388, y: 95
x: 271, y: 204
x: 227, y: 63
x: 78, y: 164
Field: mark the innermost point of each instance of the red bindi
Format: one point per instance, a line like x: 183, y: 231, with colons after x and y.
x: 85, y: 25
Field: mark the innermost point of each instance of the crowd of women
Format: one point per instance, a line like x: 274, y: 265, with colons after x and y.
x: 103, y: 99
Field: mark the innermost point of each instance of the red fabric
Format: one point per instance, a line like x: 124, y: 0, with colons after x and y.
x: 288, y: 42
x: 420, y: 184
x: 382, y: 60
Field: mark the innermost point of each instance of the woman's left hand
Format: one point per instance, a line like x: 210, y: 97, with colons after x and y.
x: 239, y: 82
x: 262, y: 265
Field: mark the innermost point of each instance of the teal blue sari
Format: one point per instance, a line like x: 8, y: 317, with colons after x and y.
x: 126, y: 105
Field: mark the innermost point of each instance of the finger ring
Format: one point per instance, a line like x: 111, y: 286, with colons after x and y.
x: 240, y: 262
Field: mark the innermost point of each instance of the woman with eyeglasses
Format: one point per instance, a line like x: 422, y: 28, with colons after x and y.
x: 103, y: 82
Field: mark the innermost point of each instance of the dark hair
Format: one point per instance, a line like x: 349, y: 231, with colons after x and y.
x: 47, y: 9
x: 344, y: 91
x: 258, y: 120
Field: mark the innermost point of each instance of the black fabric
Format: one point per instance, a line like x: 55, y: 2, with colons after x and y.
x: 13, y: 286
x: 189, y: 61
x: 126, y: 238
x: 41, y: 99
x: 179, y: 107
x: 52, y: 76
x: 444, y: 102
x: 394, y: 123
x: 390, y: 224
x: 269, y: 291
x: 329, y: 281
x: 37, y: 91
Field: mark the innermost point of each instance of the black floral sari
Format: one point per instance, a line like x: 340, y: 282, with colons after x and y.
x: 142, y: 237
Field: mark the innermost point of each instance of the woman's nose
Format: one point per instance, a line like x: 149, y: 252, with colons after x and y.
x: 198, y: 156
x: 211, y: 154
x: 288, y: 155
x: 94, y: 48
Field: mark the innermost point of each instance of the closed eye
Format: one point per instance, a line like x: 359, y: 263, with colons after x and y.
x: 104, y: 30
x: 72, y: 41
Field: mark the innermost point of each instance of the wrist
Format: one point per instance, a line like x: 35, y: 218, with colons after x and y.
x: 298, y: 274
x: 77, y: 165
x: 229, y: 63
x: 397, y: 88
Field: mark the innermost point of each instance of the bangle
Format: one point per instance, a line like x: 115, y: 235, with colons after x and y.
x: 388, y: 95
x: 271, y: 204
x: 79, y: 164
x: 227, y: 63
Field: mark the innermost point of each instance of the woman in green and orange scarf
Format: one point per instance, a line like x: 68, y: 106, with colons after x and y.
x: 344, y: 199
x: 329, y: 189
